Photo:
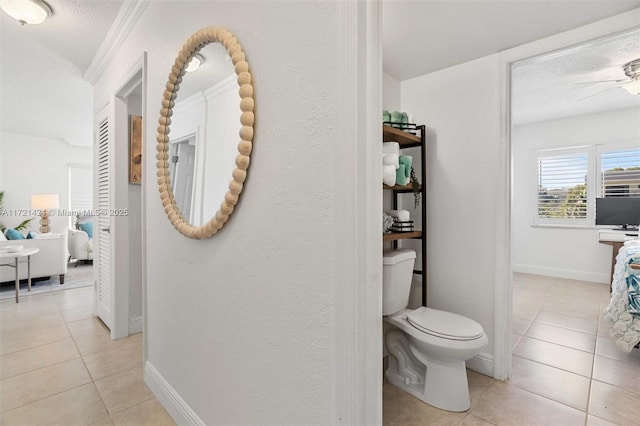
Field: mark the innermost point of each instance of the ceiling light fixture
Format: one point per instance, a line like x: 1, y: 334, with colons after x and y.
x: 632, y: 70
x: 194, y: 63
x: 27, y: 11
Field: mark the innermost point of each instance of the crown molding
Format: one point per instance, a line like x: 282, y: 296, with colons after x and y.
x: 126, y: 19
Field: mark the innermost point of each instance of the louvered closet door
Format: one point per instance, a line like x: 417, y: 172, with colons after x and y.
x: 103, y: 221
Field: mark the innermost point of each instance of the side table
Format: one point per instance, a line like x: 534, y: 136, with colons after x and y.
x: 16, y: 256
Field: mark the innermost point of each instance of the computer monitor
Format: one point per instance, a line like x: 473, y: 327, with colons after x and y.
x: 618, y: 211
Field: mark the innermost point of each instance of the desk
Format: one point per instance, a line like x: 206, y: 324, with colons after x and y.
x: 615, y: 239
x: 16, y: 256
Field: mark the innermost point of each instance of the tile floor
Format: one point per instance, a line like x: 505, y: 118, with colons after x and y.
x: 566, y: 369
x: 58, y: 366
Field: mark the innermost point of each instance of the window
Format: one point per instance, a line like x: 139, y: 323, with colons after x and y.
x: 563, y: 186
x: 620, y: 173
x: 569, y: 180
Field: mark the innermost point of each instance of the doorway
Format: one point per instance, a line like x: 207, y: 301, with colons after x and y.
x: 572, y: 124
x: 119, y: 299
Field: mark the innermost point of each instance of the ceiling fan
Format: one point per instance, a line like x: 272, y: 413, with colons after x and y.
x: 631, y: 84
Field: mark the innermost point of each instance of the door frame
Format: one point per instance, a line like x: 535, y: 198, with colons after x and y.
x: 503, y: 300
x: 135, y: 76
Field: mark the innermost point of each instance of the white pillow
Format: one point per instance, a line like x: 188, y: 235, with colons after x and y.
x: 2, y: 237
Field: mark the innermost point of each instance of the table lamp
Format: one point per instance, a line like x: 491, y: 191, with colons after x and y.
x: 44, y: 202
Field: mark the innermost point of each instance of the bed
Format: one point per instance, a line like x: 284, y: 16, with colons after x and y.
x: 623, y: 311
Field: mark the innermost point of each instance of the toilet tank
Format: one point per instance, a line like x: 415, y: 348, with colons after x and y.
x: 397, y: 272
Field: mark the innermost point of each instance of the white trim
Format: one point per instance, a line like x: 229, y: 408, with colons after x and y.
x: 561, y: 273
x: 501, y: 359
x: 119, y: 225
x: 126, y: 19
x: 503, y: 301
x: 482, y: 363
x: 143, y: 210
x: 195, y: 100
x: 357, y: 241
x: 179, y: 410
x: 222, y: 86
x: 135, y: 325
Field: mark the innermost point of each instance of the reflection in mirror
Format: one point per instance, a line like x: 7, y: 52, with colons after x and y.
x: 204, y: 133
x: 201, y: 165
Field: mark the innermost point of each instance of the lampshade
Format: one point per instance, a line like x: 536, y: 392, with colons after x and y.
x: 195, y: 63
x: 45, y: 201
x: 26, y: 11
x: 632, y: 87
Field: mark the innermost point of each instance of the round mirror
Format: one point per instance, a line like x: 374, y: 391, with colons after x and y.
x: 201, y: 165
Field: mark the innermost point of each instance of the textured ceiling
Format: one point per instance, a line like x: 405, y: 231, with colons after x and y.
x: 420, y: 37
x: 552, y: 86
x: 41, y: 86
x: 42, y: 92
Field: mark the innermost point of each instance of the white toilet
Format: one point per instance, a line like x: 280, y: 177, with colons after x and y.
x: 428, y: 347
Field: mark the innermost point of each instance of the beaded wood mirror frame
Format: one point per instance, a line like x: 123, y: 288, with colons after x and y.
x: 192, y: 46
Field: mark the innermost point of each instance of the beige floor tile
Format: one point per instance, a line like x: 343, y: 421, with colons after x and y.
x: 526, y: 307
x: 401, y: 408
x: 472, y: 420
x: 604, y: 327
x: 76, y: 314
x: 123, y: 390
x: 115, y: 360
x: 559, y: 385
x: 30, y: 320
x: 75, y: 298
x: 582, y: 325
x: 562, y: 336
x: 86, y: 326
x: 515, y: 339
x: 607, y: 347
x: 104, y: 422
x: 505, y: 404
x: 571, y: 308
x: 79, y: 406
x: 614, y: 404
x: 558, y: 356
x: 97, y: 341
x: 597, y: 421
x: 18, y: 340
x: 41, y: 303
x: 519, y: 325
x: 29, y: 387
x: 618, y: 373
x: 149, y: 413
x: 30, y: 359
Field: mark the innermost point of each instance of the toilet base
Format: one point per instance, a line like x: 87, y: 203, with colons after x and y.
x: 442, y: 384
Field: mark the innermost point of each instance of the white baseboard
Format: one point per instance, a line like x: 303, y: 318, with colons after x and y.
x: 482, y: 363
x: 178, y: 409
x: 135, y: 326
x: 595, y: 277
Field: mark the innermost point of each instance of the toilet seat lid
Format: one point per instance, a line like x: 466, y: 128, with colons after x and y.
x: 445, y: 324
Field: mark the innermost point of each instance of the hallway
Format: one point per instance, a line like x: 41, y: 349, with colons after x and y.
x: 58, y: 365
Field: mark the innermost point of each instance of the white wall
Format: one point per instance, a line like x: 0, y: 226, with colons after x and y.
x: 390, y: 93
x: 242, y: 325
x: 561, y: 252
x: 463, y: 152
x: 31, y: 165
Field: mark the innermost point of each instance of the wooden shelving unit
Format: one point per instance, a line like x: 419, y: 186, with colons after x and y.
x: 408, y: 140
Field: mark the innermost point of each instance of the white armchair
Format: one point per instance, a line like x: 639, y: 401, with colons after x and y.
x: 80, y: 245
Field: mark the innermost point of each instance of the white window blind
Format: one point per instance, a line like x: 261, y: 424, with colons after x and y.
x: 562, y: 187
x: 620, y: 173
